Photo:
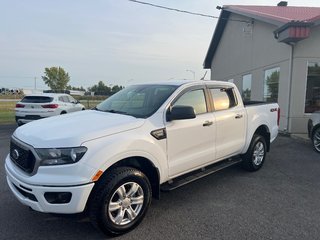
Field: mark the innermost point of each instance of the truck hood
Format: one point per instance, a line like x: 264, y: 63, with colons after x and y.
x: 71, y: 130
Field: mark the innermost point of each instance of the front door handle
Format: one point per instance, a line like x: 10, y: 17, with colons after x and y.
x: 207, y: 123
x: 238, y: 116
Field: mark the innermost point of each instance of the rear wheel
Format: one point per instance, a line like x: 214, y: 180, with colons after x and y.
x: 120, y: 200
x: 254, y: 158
x: 316, y: 139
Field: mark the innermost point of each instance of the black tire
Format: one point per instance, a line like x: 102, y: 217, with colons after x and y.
x: 250, y: 161
x: 83, y: 109
x: 106, y: 191
x: 316, y: 139
x: 63, y: 112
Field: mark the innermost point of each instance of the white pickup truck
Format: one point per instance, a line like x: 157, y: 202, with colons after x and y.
x: 110, y: 161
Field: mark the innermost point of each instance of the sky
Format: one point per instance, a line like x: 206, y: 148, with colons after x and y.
x: 114, y: 41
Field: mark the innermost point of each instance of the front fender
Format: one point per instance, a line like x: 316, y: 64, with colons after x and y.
x: 104, y: 152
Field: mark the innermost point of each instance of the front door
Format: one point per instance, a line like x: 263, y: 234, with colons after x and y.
x: 191, y: 142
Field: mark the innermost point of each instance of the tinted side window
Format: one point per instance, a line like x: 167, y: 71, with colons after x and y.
x: 195, y: 99
x: 65, y: 99
x: 71, y: 99
x: 223, y: 98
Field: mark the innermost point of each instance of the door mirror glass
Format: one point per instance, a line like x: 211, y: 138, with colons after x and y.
x: 180, y: 112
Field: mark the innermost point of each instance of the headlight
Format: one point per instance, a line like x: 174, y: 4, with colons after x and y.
x: 59, y: 156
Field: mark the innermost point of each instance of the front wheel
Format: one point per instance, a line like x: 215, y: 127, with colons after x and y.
x: 316, y: 140
x: 254, y: 158
x: 120, y: 200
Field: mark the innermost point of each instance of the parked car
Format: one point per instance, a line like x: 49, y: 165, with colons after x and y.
x: 314, y: 130
x: 37, y: 106
x: 113, y: 159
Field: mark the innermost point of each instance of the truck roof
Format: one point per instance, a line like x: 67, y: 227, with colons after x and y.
x: 185, y: 82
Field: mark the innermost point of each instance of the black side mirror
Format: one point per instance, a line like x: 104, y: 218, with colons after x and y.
x: 180, y: 113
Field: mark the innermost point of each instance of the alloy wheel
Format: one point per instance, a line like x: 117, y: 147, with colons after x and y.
x: 258, y: 153
x: 126, y: 203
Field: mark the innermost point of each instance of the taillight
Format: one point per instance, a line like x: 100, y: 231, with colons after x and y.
x: 18, y: 105
x: 278, y: 120
x: 50, y: 106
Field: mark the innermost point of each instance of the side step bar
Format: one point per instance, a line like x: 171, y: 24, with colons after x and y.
x: 197, y: 174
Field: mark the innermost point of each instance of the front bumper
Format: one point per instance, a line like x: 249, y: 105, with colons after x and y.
x: 34, y: 195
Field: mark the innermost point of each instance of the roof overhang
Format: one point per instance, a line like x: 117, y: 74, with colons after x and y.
x: 293, y: 32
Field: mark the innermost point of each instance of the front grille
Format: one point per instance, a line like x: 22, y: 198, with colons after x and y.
x: 23, y: 158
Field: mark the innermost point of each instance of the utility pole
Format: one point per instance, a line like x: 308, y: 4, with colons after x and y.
x: 193, y: 72
x: 35, y: 83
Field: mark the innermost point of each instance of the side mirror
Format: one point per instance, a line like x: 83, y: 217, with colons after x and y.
x: 181, y: 113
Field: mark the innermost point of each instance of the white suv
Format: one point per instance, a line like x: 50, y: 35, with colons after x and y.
x: 37, y: 106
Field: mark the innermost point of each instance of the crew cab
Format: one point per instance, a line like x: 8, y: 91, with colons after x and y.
x: 110, y: 161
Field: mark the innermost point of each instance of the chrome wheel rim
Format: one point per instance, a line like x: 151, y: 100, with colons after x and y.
x: 126, y: 203
x: 258, y: 153
x: 316, y: 140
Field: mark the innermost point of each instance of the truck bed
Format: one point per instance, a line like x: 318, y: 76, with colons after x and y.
x: 249, y: 103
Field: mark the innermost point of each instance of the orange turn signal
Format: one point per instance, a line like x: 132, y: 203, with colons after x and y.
x: 97, y: 176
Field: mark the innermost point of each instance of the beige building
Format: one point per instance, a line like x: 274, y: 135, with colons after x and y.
x: 272, y: 53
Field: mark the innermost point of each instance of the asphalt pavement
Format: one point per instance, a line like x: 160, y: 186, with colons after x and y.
x: 281, y: 201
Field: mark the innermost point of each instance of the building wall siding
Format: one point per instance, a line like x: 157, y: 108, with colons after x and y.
x: 305, y: 51
x: 244, y: 50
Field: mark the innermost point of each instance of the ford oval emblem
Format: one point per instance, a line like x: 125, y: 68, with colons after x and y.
x: 15, y: 154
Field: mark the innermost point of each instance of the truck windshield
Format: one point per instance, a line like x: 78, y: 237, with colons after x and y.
x: 139, y: 101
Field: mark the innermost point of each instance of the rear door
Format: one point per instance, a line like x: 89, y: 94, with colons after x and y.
x: 74, y: 106
x: 68, y: 106
x: 191, y: 142
x: 230, y: 117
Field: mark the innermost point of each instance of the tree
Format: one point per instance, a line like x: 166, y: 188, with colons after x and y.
x: 273, y: 86
x: 116, y: 88
x: 69, y: 87
x: 102, y: 89
x: 56, y: 78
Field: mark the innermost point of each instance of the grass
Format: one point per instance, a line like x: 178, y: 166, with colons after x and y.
x: 11, y: 96
x: 90, y: 103
x: 7, y: 115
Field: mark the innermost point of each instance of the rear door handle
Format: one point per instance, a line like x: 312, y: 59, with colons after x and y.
x: 238, y: 116
x: 207, y: 123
